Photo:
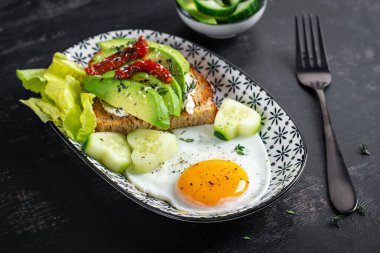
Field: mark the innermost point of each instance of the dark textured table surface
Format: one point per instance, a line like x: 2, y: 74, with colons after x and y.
x: 51, y: 201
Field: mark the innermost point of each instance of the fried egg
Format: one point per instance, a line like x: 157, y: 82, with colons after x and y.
x: 207, y: 176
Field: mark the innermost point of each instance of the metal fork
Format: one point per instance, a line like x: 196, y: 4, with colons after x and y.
x: 313, y: 71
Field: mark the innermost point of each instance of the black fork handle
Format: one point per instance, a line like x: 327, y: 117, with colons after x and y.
x: 341, y: 190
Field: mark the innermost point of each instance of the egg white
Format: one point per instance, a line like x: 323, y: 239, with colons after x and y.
x: 162, y: 182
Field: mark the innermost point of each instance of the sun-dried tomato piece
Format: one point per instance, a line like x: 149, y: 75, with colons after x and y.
x: 147, y: 66
x: 132, y: 52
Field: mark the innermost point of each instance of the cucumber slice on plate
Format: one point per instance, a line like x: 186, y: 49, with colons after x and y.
x: 150, y: 148
x: 212, y: 8
x: 234, y: 118
x: 110, y: 149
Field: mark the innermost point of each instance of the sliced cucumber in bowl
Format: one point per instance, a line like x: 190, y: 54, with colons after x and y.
x: 189, y: 7
x: 220, y: 11
x: 213, y: 8
x: 244, y: 10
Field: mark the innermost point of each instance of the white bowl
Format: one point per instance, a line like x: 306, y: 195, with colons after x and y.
x: 222, y: 31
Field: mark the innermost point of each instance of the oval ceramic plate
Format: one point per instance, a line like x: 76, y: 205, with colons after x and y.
x: 285, y: 146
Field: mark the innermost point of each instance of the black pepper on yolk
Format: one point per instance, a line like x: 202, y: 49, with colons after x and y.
x: 212, y: 181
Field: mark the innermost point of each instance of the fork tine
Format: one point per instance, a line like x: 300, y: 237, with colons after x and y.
x: 298, y: 48
x: 314, y: 49
x: 306, y: 46
x: 324, y: 62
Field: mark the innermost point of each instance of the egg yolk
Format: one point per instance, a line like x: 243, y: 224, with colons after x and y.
x: 212, y: 181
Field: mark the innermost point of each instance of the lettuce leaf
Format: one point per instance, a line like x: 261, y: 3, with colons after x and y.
x: 87, y: 118
x: 62, y: 100
x: 61, y: 67
x: 32, y: 79
x: 66, y: 96
x: 45, y: 110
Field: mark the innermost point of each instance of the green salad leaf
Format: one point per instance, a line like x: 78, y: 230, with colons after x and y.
x: 66, y: 96
x: 45, y: 110
x: 62, y: 100
x: 61, y: 67
x: 32, y: 79
x: 87, y: 118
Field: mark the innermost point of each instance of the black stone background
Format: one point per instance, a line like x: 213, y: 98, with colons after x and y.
x: 50, y: 201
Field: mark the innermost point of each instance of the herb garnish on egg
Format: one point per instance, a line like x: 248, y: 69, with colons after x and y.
x: 239, y: 149
x: 186, y: 140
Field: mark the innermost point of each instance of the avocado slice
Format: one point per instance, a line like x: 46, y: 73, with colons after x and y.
x: 173, y: 84
x: 170, y: 97
x: 121, y: 43
x: 133, y: 97
x: 165, y: 55
x: 177, y: 89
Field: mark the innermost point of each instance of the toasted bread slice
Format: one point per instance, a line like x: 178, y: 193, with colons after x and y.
x: 204, y: 111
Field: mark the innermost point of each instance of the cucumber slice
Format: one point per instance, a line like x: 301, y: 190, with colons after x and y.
x: 234, y: 118
x: 231, y: 2
x: 202, y: 17
x: 212, y: 8
x: 222, y: 3
x: 110, y: 149
x: 244, y: 10
x: 189, y: 6
x: 150, y: 148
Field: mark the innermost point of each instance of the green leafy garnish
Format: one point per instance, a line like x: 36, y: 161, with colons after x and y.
x: 32, y: 79
x: 62, y: 99
x: 186, y: 140
x: 246, y: 237
x: 290, y: 212
x: 360, y: 210
x: 364, y: 149
x: 337, y: 220
x: 239, y: 149
x: 190, y: 88
x: 87, y: 118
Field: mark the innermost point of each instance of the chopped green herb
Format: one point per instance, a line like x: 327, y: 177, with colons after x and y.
x: 186, y: 140
x: 239, y: 149
x: 182, y: 161
x: 162, y: 91
x: 246, y: 237
x: 337, y: 220
x: 290, y: 212
x: 190, y: 88
x: 360, y: 210
x: 364, y: 149
x: 170, y: 66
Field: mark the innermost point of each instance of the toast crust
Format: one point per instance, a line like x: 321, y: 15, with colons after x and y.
x: 204, y: 111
